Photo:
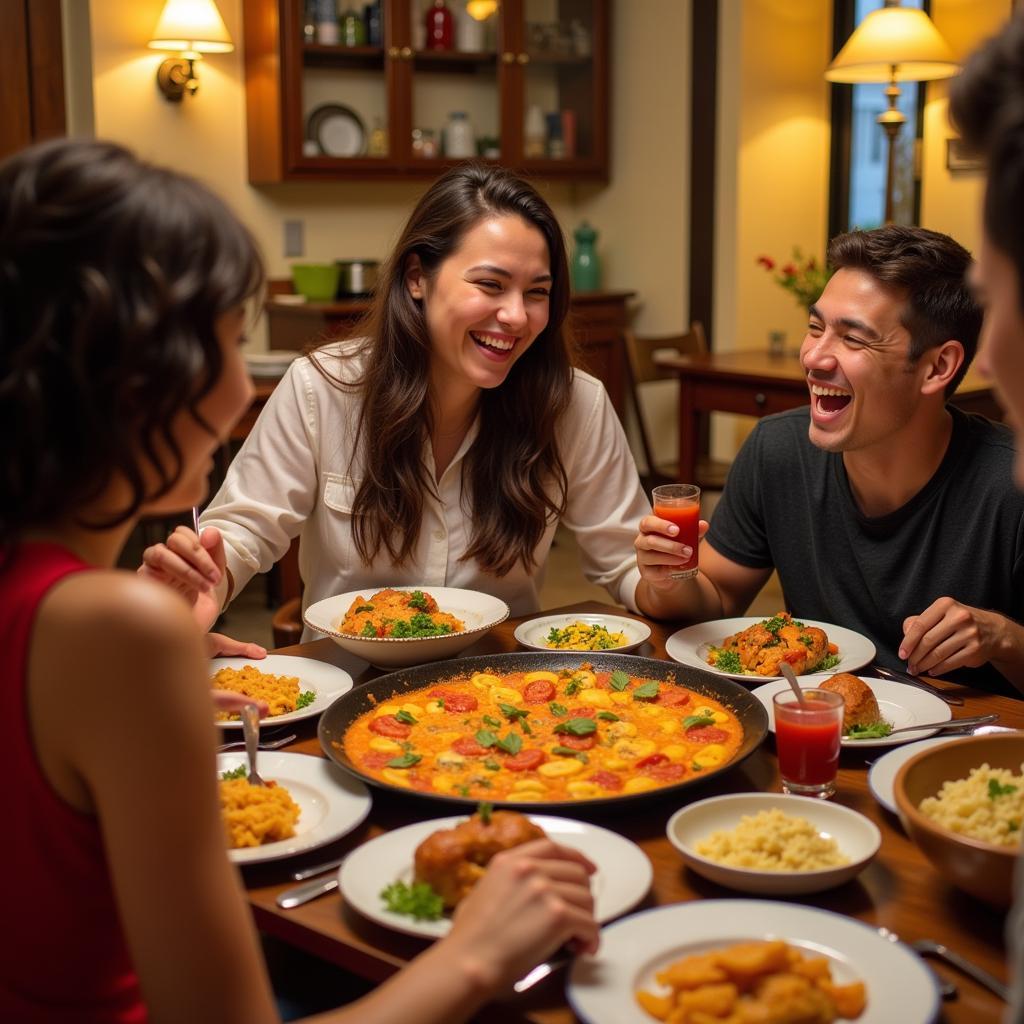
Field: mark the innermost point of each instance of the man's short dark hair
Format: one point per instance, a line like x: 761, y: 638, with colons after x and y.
x: 931, y: 268
x: 987, y: 107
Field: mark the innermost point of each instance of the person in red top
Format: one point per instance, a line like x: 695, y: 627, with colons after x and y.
x: 122, y: 304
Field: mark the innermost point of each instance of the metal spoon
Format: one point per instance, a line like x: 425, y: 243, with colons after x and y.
x: 251, y: 731
x: 794, y: 685
x: 265, y: 745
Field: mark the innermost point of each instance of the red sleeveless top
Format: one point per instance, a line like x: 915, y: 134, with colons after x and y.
x: 66, y: 958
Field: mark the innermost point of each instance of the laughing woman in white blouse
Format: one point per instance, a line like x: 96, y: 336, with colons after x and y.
x: 443, y: 448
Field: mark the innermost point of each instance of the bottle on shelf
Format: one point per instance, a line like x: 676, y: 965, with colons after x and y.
x: 309, y: 21
x: 353, y: 31
x: 470, y: 33
x: 326, y: 22
x: 440, y: 30
x: 536, y: 133
x: 374, y: 22
x: 556, y: 144
x: 459, y: 139
x: 378, y: 141
x: 586, y: 266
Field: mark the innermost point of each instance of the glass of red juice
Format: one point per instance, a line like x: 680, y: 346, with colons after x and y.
x: 808, y: 737
x: 680, y: 504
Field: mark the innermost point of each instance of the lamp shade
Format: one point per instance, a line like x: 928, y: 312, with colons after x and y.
x: 894, y: 42
x: 191, y: 26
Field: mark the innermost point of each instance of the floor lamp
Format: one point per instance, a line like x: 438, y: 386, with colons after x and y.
x: 893, y: 44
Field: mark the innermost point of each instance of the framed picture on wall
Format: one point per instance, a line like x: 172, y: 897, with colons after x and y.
x: 959, y: 160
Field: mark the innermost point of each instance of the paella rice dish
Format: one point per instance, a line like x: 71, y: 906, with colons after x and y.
x: 535, y: 737
x: 767, y: 982
x: 987, y: 805
x: 398, y: 614
x: 772, y: 841
x: 254, y: 815
x: 280, y: 692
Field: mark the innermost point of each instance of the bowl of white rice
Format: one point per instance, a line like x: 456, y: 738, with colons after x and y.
x: 963, y: 805
x: 773, y: 844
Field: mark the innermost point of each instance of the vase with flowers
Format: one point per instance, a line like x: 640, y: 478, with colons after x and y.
x: 804, y: 277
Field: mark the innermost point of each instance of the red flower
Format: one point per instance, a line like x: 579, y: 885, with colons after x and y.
x: 767, y: 262
x: 789, y: 270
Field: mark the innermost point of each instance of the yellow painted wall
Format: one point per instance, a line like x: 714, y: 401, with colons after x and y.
x: 951, y: 201
x: 641, y: 214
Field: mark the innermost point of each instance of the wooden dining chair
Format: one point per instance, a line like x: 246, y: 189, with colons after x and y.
x: 641, y: 370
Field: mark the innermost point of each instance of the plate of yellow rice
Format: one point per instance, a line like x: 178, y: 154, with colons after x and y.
x: 582, y: 631
x: 294, y: 688
x: 312, y: 802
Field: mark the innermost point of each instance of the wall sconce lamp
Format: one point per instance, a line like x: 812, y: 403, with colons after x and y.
x: 192, y: 28
x: 894, y: 44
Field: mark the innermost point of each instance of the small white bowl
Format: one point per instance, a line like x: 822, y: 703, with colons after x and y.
x: 478, y: 611
x: 856, y: 836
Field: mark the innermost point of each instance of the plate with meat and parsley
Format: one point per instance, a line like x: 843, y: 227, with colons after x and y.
x: 751, y: 648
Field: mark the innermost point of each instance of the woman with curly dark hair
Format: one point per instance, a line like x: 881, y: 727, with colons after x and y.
x: 122, y: 305
x: 444, y: 445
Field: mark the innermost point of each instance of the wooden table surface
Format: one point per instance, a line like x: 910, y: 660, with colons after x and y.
x: 900, y: 889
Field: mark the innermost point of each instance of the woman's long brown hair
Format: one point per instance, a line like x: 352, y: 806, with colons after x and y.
x: 514, y: 482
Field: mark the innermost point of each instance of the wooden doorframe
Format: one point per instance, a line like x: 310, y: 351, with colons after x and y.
x: 32, y: 56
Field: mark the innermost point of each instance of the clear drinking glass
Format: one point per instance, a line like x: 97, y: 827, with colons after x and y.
x: 680, y: 504
x: 808, y: 737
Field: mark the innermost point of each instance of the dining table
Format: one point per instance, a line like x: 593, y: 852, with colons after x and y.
x: 900, y: 890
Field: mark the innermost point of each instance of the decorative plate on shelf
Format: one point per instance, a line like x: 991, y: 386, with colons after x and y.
x: 337, y: 129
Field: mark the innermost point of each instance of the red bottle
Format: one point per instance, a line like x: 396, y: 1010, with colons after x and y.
x: 439, y: 26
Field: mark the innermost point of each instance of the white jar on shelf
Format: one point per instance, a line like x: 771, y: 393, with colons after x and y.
x: 459, y: 140
x: 536, y: 132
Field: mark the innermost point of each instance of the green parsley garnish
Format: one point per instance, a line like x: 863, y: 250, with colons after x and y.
x: 420, y: 625
x: 305, y: 699
x: 830, y: 661
x: 727, y: 661
x: 418, y: 900
x: 512, y: 743
x: 607, y: 716
x: 572, y: 687
x: 417, y: 599
x: 236, y: 773
x: 494, y: 723
x: 484, y: 811
x: 774, y: 624
x: 577, y: 727
x: 996, y: 789
x: 696, y: 721
x: 363, y: 608
x: 619, y: 681
x: 491, y: 765
x: 569, y: 752
x: 486, y: 738
x: 405, y: 718
x: 369, y: 629
x: 645, y: 691
x: 558, y: 710
x: 405, y: 761
x: 868, y: 732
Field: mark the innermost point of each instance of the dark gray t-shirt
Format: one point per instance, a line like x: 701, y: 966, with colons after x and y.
x: 788, y: 505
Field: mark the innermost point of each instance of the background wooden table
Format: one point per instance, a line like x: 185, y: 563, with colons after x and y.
x: 757, y: 383
x: 900, y: 889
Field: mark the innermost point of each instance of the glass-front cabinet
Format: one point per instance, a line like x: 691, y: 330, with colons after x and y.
x: 403, y: 88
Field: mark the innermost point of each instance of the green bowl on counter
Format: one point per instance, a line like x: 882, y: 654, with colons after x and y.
x: 318, y: 282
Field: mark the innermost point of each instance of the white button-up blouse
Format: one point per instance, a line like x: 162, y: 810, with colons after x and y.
x: 297, y: 473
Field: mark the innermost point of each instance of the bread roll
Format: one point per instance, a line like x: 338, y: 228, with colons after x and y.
x: 860, y: 706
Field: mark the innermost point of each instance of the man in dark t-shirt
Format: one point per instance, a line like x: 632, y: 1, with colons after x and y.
x: 883, y: 509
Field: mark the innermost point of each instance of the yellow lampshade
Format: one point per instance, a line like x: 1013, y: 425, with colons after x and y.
x: 894, y: 42
x: 191, y: 26
x: 481, y: 10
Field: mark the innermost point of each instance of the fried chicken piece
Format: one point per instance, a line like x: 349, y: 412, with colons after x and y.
x: 453, y: 860
x: 860, y: 705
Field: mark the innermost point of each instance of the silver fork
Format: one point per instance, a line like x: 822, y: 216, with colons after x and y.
x: 946, y: 988
x: 265, y: 745
x: 251, y: 731
x: 930, y: 947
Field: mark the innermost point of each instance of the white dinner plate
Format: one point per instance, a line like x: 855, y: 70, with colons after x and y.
x: 326, y: 681
x: 900, y: 705
x: 333, y: 803
x: 601, y: 988
x: 534, y: 632
x: 337, y: 129
x: 690, y: 646
x: 622, y: 878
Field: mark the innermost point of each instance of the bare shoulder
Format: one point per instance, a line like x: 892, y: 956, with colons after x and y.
x: 115, y: 618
